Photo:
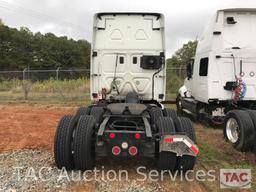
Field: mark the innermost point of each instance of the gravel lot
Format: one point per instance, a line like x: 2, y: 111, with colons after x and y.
x: 18, y: 169
x: 34, y: 170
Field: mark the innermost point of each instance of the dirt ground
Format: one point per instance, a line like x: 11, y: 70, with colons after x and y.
x: 29, y: 127
x: 33, y: 127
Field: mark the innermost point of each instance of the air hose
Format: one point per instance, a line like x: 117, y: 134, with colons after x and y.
x: 113, y: 85
x: 240, y: 89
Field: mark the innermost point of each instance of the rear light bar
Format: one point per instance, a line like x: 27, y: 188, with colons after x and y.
x: 113, y: 135
x: 193, y: 148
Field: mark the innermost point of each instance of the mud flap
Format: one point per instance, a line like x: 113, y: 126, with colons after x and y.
x: 178, y: 144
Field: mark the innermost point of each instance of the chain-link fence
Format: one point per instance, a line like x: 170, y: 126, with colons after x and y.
x: 59, y: 86
x: 41, y: 75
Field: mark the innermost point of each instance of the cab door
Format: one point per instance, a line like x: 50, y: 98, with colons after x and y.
x: 200, y: 82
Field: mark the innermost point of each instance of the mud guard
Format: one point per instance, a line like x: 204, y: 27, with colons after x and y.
x: 178, y: 144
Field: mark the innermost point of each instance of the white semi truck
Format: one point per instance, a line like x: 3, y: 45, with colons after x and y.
x: 126, y: 118
x: 221, y: 79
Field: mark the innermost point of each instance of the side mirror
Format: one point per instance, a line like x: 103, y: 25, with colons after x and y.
x: 189, y: 71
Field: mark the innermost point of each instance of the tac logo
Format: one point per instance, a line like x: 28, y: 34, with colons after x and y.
x: 235, y: 178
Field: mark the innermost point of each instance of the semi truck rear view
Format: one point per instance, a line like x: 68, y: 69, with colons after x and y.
x: 126, y: 117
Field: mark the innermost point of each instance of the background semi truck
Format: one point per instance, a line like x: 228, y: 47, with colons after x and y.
x: 221, y: 79
x: 126, y: 118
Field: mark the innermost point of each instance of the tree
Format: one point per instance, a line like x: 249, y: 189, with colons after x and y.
x: 183, y: 55
x: 181, y: 58
x: 20, y: 49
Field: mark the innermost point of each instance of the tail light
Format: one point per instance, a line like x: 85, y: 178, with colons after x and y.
x: 116, y: 150
x: 112, y: 136
x: 137, y: 136
x: 133, y: 150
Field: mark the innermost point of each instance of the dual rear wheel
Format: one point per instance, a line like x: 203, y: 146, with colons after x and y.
x: 62, y: 142
x: 240, y: 129
x: 74, y: 145
x: 168, y: 160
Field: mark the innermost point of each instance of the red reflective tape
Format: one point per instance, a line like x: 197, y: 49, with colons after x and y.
x: 168, y: 139
x: 194, y: 149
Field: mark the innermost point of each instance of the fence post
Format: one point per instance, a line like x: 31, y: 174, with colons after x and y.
x: 28, y: 76
x: 57, y: 73
x: 24, y: 74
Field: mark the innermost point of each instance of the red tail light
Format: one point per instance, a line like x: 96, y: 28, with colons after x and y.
x: 116, y: 150
x: 137, y: 136
x: 133, y: 150
x: 112, y: 136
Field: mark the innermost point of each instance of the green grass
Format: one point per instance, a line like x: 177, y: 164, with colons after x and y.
x: 66, y: 92
x: 208, y: 154
x: 213, y: 159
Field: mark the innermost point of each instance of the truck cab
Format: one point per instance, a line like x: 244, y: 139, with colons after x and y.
x: 220, y: 87
x: 225, y: 52
x: 128, y: 55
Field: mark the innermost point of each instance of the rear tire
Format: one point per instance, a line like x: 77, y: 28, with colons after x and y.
x: 97, y: 113
x: 179, y: 105
x: 166, y: 160
x: 83, y: 111
x: 84, y: 143
x: 63, y: 142
x: 239, y: 129
x: 155, y: 113
x: 170, y: 113
x: 252, y: 114
x: 184, y: 125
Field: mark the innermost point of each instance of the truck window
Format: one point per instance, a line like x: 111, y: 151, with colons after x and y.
x: 203, y: 71
x: 121, y: 60
x: 134, y: 60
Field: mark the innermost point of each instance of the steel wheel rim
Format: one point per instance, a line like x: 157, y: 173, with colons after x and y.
x: 232, y: 130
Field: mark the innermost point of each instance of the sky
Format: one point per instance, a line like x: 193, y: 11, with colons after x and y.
x: 184, y: 19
